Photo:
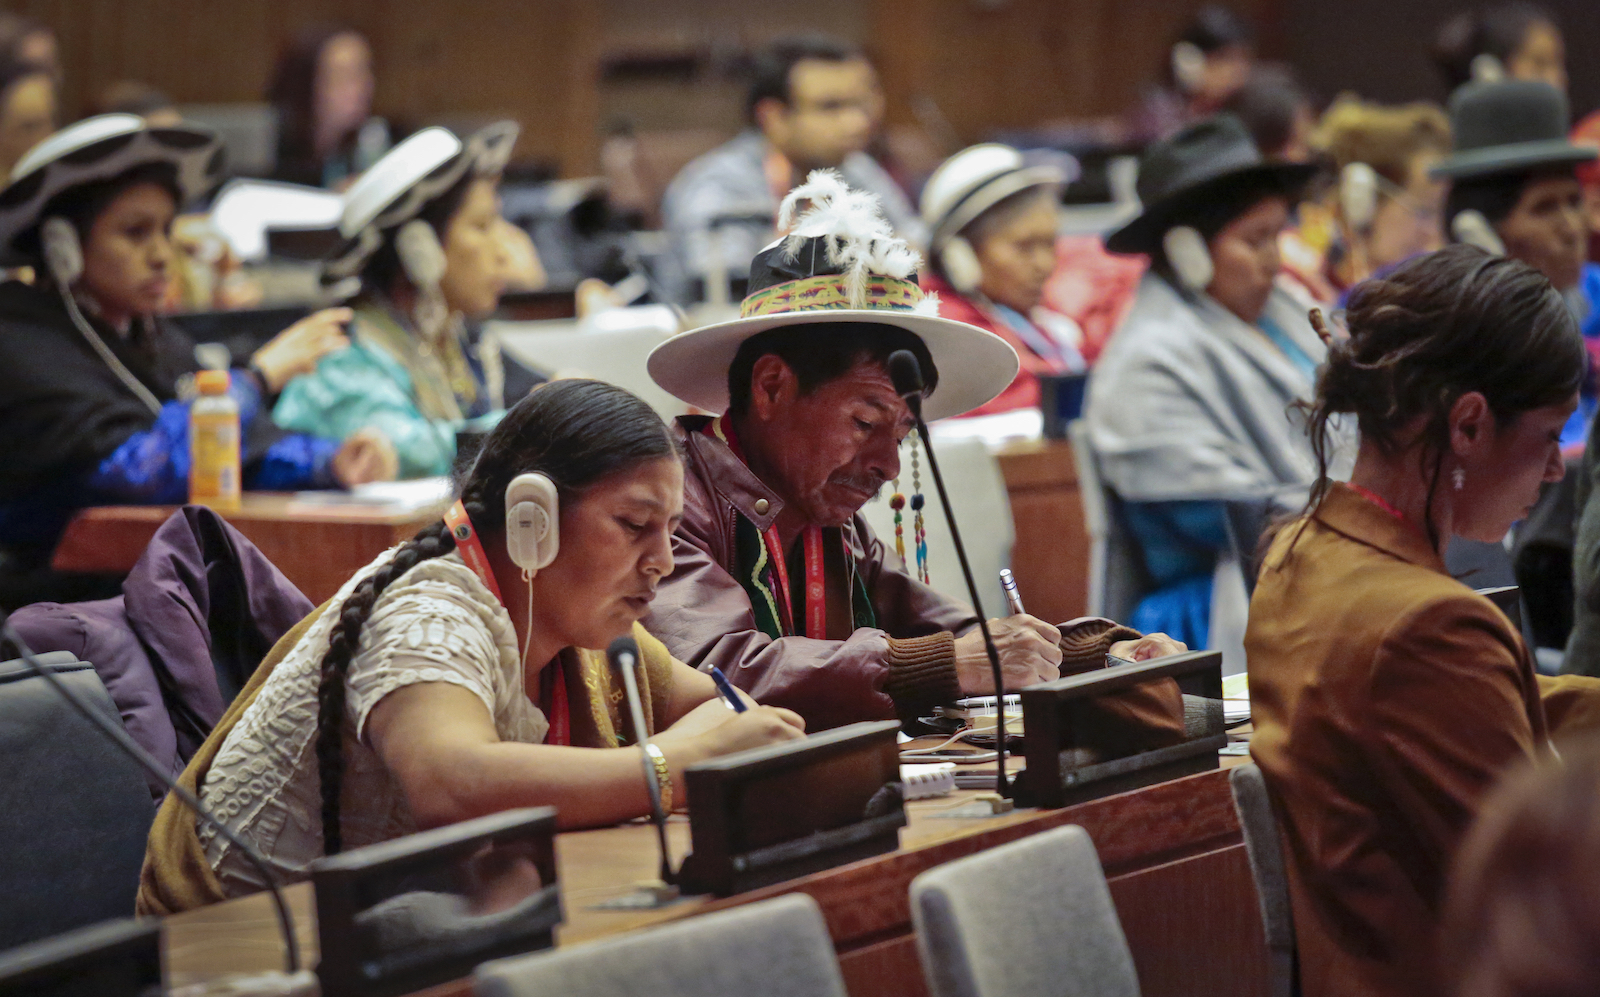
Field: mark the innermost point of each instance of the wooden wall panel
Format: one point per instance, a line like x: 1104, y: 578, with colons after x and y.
x: 987, y: 65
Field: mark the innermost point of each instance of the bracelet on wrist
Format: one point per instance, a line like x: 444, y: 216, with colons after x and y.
x: 663, y: 776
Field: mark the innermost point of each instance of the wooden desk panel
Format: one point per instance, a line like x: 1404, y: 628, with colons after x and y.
x: 317, y: 547
x: 1051, y: 555
x: 1172, y: 854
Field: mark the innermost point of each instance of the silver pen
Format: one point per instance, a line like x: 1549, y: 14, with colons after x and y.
x: 1008, y: 582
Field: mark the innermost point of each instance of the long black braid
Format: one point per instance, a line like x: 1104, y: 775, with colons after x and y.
x: 574, y: 431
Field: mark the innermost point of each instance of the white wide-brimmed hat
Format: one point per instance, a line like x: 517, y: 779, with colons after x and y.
x: 397, y: 187
x: 975, y: 180
x: 840, y: 263
x: 96, y: 149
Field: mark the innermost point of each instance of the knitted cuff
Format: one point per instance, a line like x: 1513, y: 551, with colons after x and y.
x: 922, y: 672
x: 1086, y: 641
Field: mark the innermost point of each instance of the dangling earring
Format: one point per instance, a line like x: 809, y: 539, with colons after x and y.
x: 1458, y: 478
x: 919, y: 528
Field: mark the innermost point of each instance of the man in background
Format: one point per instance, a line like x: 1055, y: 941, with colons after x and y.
x: 813, y: 102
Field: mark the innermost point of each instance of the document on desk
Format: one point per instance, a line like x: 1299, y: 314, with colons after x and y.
x: 392, y: 496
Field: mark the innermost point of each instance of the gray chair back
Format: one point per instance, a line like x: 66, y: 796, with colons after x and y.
x: 1117, y: 575
x: 1259, y: 823
x: 1032, y: 918
x: 74, y: 810
x: 778, y: 948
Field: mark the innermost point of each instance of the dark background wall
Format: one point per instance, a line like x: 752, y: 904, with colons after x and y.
x: 1379, y: 48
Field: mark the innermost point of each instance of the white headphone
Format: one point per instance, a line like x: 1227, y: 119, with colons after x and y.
x: 959, y: 261
x: 1188, y: 256
x: 1472, y: 228
x: 1358, y: 195
x: 1188, y: 66
x: 533, y: 530
x: 63, y: 254
x: 421, y: 255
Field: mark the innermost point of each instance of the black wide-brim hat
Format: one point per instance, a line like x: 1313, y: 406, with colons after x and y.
x: 1207, y: 161
x: 1509, y: 126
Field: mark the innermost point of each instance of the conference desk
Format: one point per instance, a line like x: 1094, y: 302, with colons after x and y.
x: 316, y: 546
x: 1172, y: 854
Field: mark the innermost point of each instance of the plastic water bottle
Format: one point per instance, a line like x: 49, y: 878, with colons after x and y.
x: 214, y: 473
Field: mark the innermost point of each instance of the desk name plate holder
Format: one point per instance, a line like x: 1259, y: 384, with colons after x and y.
x: 110, y: 959
x: 1060, y: 722
x: 771, y: 814
x: 428, y: 908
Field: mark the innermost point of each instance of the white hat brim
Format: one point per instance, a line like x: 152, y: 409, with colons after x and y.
x: 195, y: 155
x: 974, y: 364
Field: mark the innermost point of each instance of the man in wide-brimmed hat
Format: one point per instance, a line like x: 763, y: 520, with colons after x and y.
x: 777, y: 580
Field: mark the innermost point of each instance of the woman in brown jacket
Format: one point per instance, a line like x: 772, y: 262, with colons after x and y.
x: 1387, y: 696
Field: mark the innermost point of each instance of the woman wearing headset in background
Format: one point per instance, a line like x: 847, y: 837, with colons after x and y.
x: 421, y: 228
x: 89, y: 375
x: 1187, y: 405
x: 455, y: 676
x: 992, y: 221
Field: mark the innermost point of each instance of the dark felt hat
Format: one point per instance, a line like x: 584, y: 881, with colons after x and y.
x: 1509, y: 126
x: 1209, y: 159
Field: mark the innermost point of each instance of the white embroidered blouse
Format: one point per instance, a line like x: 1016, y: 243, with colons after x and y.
x: 436, y: 623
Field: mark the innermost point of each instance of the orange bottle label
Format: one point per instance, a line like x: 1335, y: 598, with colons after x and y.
x: 214, y: 474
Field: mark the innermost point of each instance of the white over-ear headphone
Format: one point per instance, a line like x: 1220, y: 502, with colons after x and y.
x: 1358, y: 195
x: 959, y: 261
x: 1188, y: 256
x: 1188, y: 66
x: 533, y: 523
x: 1472, y: 228
x: 421, y: 255
x: 63, y: 254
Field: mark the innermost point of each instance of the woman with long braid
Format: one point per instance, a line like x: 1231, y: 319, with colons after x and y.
x: 445, y: 682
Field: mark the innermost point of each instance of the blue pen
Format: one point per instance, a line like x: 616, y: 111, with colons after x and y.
x: 726, y: 689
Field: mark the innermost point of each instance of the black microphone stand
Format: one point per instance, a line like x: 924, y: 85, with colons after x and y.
x: 623, y: 655
x: 908, y: 382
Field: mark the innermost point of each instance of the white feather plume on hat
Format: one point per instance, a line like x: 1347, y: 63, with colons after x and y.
x: 851, y: 225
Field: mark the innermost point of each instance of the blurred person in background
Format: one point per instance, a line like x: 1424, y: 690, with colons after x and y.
x: 1382, y: 206
x: 1522, y: 914
x: 813, y: 103
x: 1277, y: 111
x: 30, y: 40
x: 91, y: 377
x: 421, y: 232
x: 1514, y: 190
x: 138, y: 97
x: 1187, y: 405
x: 1207, y: 64
x: 27, y: 108
x: 1504, y: 41
x: 322, y: 88
x: 993, y: 219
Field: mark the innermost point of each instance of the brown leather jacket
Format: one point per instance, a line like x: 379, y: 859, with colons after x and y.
x: 703, y: 614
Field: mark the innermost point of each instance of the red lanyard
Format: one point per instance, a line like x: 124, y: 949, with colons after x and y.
x: 1377, y: 500
x: 552, y: 687
x: 816, y: 586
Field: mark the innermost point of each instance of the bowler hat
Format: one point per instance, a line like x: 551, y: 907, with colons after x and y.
x: 1510, y: 126
x: 1206, y: 160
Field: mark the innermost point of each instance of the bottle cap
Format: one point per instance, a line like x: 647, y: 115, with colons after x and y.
x: 212, y: 382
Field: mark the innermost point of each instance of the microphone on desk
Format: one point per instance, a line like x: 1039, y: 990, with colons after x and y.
x: 623, y: 656
x: 906, y: 374
x: 297, y: 980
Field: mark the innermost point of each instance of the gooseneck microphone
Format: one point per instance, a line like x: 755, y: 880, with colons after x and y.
x: 113, y: 729
x: 906, y: 374
x: 623, y: 656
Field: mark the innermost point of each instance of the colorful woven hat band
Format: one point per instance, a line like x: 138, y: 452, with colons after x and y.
x: 824, y: 292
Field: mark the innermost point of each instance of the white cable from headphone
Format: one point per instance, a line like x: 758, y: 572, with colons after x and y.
x: 422, y: 258
x: 63, y: 258
x: 533, y: 533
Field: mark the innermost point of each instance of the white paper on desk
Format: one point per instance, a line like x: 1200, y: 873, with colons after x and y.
x: 399, y: 496
x: 1235, y: 697
x: 1027, y: 423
